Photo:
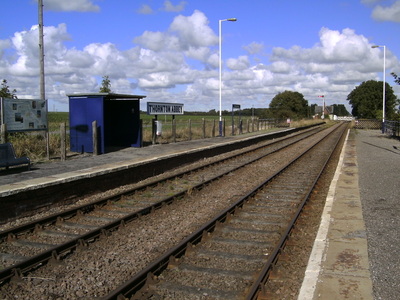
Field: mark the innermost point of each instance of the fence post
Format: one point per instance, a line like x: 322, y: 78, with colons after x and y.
x: 174, y: 130
x: 213, y: 129
x: 204, y: 128
x: 398, y: 128
x: 190, y: 129
x: 4, y: 133
x: 153, y: 131
x: 94, y: 137
x: 233, y: 125
x: 47, y: 136
x: 63, y: 149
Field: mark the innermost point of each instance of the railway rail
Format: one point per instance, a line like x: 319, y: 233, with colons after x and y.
x: 106, y: 214
x: 222, y: 261
x: 57, y: 235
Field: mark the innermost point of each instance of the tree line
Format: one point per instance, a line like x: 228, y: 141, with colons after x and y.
x: 365, y: 100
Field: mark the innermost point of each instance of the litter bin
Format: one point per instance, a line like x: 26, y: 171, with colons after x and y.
x: 158, y: 128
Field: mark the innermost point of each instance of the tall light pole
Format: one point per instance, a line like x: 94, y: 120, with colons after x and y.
x: 220, y: 73
x: 323, y: 106
x: 384, y: 84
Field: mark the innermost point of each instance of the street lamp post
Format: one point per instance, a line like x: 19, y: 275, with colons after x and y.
x: 220, y: 73
x: 323, y: 106
x: 384, y: 84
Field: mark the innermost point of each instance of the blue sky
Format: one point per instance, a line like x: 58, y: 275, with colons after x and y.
x: 168, y: 50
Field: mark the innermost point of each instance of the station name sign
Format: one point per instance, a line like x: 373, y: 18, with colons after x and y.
x: 161, y: 108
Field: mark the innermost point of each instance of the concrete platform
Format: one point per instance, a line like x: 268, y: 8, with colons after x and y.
x: 88, y: 166
x: 338, y: 267
x: 66, y: 181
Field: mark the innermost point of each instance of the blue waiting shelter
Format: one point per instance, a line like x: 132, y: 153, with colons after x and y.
x: 117, y: 117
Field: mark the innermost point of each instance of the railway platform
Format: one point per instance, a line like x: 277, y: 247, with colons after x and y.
x: 88, y: 165
x: 355, y: 253
x: 346, y: 261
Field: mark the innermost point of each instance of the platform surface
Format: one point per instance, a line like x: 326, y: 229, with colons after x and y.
x: 356, y: 253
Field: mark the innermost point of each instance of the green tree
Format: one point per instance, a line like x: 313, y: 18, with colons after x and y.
x: 105, y: 85
x: 289, y: 104
x: 396, y: 78
x: 5, y: 90
x: 312, y: 109
x: 340, y: 110
x: 366, y: 100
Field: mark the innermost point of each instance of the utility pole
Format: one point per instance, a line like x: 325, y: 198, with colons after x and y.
x: 41, y: 51
x: 41, y: 63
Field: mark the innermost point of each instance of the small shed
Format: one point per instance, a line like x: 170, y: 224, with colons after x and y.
x: 117, y: 117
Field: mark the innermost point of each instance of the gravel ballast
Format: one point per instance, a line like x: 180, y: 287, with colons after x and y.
x: 379, y: 165
x: 101, y: 267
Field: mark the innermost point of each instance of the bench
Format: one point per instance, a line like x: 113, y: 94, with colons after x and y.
x: 8, y: 158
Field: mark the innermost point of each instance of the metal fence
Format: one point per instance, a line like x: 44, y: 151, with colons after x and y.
x: 392, y: 128
x: 368, y: 124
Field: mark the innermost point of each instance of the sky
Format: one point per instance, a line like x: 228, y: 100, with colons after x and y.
x: 168, y: 50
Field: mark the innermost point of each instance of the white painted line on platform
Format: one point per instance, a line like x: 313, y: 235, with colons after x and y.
x: 320, y: 244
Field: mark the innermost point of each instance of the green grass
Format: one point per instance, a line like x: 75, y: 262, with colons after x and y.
x: 58, y: 117
x: 33, y: 144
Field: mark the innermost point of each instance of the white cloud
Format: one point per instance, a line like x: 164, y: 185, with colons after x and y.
x: 254, y: 48
x: 4, y: 44
x: 181, y: 64
x: 193, y: 30
x: 145, y: 10
x: 336, y: 64
x: 152, y: 40
x: 240, y: 63
x: 168, y: 6
x: 70, y: 5
x: 371, y: 1
x: 281, y: 67
x: 388, y: 13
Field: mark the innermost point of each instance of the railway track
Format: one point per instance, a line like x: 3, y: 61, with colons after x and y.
x: 27, y: 246
x: 232, y: 256
x: 107, y: 215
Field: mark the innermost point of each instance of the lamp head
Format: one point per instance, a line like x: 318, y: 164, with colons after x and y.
x: 375, y: 46
x: 232, y: 19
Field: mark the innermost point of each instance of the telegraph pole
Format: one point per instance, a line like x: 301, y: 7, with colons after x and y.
x: 41, y: 51
x: 41, y: 63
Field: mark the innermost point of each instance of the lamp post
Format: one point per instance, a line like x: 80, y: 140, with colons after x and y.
x: 323, y: 106
x: 384, y: 84
x: 220, y: 73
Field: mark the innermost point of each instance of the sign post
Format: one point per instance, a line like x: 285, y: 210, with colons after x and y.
x: 235, y: 106
x: 161, y: 108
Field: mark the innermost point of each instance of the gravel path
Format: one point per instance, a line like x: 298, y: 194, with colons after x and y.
x: 379, y: 165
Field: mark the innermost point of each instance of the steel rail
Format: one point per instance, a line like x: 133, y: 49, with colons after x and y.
x: 144, y: 277
x: 61, y: 250
x: 49, y: 220
x: 258, y: 285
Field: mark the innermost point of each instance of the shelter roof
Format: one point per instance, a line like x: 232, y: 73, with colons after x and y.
x: 107, y: 96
